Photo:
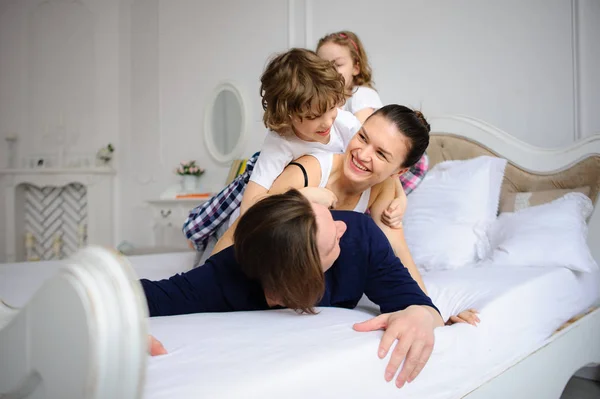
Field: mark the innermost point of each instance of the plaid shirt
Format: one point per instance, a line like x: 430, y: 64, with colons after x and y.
x: 413, y: 177
x: 204, y: 220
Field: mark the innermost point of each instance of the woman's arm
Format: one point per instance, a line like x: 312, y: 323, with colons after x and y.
x: 385, y: 193
x: 252, y: 194
x: 275, y: 154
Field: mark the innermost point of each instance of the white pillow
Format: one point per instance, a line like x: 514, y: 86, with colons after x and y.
x: 548, y: 235
x: 450, y: 211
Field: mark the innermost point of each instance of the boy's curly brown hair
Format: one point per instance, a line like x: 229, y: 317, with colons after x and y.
x: 299, y: 83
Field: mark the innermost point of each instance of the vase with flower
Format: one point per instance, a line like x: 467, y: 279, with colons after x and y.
x: 190, y: 174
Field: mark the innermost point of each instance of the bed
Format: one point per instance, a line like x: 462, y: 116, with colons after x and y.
x: 521, y: 349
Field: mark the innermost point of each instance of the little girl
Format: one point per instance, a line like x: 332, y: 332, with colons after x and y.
x: 301, y: 94
x: 347, y: 53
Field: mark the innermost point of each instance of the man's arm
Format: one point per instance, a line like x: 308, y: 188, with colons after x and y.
x: 394, y: 235
x: 409, y: 317
x: 193, y: 292
x: 389, y: 284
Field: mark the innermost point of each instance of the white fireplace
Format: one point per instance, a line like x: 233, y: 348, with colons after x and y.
x: 45, y: 199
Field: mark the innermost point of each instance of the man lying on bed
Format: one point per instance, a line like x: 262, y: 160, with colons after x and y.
x: 289, y: 252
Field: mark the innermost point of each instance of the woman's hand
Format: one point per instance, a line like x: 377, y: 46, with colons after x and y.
x: 155, y: 347
x: 320, y: 195
x: 466, y: 316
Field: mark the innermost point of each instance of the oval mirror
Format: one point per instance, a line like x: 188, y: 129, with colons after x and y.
x: 225, y: 124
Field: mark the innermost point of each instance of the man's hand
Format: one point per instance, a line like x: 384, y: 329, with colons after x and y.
x: 413, y: 329
x: 320, y: 195
x: 466, y: 316
x: 155, y: 347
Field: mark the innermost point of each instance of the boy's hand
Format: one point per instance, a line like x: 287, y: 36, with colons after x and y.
x: 393, y: 215
x: 320, y: 195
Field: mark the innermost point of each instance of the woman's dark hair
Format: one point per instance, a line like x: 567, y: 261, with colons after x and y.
x: 275, y: 244
x: 413, y: 125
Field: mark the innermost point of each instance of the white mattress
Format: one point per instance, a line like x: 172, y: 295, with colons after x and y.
x: 281, y: 354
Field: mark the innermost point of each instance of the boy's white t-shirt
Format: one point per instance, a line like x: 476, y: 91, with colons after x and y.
x: 278, y: 151
x: 362, y: 97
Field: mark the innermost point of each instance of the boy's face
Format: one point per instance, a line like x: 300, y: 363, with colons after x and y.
x: 342, y: 59
x: 315, y: 128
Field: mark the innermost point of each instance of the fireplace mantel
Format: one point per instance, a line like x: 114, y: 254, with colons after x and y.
x: 99, y: 183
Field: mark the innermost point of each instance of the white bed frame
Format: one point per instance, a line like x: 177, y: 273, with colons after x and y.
x: 544, y: 373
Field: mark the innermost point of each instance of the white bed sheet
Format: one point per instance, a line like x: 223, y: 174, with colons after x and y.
x: 282, y: 354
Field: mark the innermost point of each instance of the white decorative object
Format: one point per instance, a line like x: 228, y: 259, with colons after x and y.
x: 190, y: 183
x: 57, y: 246
x: 82, y: 235
x: 99, y: 183
x: 169, y: 215
x: 30, y: 247
x: 225, y: 123
x: 105, y: 154
x: 190, y: 174
x: 11, y: 149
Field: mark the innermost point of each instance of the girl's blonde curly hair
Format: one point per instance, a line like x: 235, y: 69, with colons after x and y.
x: 357, y: 52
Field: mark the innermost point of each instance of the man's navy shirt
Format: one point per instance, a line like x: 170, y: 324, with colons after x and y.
x: 366, y: 265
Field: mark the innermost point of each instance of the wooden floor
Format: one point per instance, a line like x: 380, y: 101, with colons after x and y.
x: 580, y: 388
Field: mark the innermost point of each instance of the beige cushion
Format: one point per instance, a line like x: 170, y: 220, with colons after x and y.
x: 585, y: 173
x: 511, y: 202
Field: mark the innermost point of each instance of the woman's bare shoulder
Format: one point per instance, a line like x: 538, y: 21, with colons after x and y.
x: 380, y: 190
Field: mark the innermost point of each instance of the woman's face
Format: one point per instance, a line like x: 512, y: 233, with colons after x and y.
x: 342, y: 59
x: 376, y: 152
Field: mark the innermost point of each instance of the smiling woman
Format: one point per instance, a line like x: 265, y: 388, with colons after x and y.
x: 362, y: 178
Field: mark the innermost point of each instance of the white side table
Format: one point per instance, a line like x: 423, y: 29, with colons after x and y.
x: 169, y: 215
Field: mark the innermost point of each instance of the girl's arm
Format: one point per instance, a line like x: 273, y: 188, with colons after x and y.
x: 385, y: 192
x: 363, y: 114
x: 394, y: 213
x: 364, y: 102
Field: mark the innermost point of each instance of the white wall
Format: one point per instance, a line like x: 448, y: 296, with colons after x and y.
x: 588, y: 64
x: 59, y: 72
x: 506, y: 62
x: 146, y: 69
